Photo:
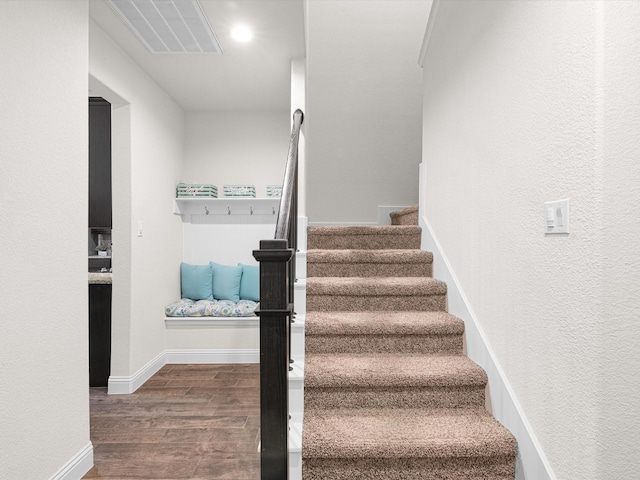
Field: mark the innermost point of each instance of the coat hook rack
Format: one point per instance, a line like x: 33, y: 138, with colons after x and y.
x: 228, y: 210
x: 206, y: 211
x: 273, y: 210
x: 251, y: 210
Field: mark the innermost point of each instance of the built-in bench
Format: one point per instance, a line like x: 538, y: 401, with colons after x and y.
x: 213, y: 339
x: 227, y: 230
x: 215, y: 321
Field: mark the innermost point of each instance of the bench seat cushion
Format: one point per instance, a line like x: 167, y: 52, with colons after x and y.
x: 211, y: 308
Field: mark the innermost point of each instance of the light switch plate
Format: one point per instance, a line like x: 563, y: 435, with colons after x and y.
x: 556, y: 216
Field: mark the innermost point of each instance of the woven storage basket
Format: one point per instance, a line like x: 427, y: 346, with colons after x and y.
x: 196, y: 190
x: 239, y: 191
x: 274, y: 190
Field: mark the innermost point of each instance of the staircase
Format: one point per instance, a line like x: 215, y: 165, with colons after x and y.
x: 388, y: 392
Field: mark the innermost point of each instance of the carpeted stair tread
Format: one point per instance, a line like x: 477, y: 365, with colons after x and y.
x: 375, y: 286
x: 382, y: 323
x: 425, y: 468
x: 369, y: 263
x: 405, y: 211
x: 369, y: 256
x: 391, y: 370
x: 384, y: 332
x: 335, y: 230
x: 364, y: 237
x: 405, y: 433
x: 389, y: 392
x: 405, y: 216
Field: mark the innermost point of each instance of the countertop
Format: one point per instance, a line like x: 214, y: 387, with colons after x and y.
x: 99, y: 278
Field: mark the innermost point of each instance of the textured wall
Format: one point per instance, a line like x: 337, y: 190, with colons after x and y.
x: 148, y: 155
x: 617, y: 121
x: 236, y: 148
x: 363, y: 106
x: 298, y: 101
x: 44, y: 417
x: 527, y: 102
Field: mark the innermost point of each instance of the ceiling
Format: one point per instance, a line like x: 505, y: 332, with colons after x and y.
x: 247, y: 76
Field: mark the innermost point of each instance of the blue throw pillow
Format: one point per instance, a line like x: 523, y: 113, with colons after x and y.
x: 226, y: 282
x: 196, y: 281
x: 250, y: 283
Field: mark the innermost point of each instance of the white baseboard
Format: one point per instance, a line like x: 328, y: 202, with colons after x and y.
x: 531, y: 463
x: 384, y: 212
x: 383, y: 218
x: 303, y: 224
x: 300, y: 296
x: 301, y: 264
x: 213, y: 356
x: 295, y: 447
x: 120, y: 385
x: 77, y: 466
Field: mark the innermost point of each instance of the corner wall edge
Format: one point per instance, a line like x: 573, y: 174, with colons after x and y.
x: 77, y: 466
x: 120, y: 385
x: 427, y: 34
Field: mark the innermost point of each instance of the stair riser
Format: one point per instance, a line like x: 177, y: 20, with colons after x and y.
x: 375, y: 287
x: 369, y: 270
x: 470, y: 468
x: 424, y: 344
x: 394, y: 397
x: 363, y: 242
x: 349, y: 303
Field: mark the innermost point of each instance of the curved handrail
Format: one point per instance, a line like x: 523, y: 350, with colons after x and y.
x: 288, y: 185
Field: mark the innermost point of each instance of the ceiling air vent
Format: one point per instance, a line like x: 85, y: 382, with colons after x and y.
x: 168, y: 26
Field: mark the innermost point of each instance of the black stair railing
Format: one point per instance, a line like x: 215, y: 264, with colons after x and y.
x: 276, y: 311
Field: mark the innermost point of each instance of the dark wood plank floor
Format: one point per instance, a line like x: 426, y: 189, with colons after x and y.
x: 187, y: 422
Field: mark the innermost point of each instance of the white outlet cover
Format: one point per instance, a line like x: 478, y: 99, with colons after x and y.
x: 556, y: 216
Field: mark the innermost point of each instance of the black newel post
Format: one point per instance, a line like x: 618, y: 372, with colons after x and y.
x: 275, y: 312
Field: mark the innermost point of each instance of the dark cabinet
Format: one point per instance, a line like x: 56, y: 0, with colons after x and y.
x: 99, y: 334
x: 99, y: 163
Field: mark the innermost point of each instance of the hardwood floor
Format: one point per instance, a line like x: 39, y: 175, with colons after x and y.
x: 187, y: 422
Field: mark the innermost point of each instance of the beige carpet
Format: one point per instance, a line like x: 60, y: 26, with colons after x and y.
x: 389, y: 393
x: 406, y: 216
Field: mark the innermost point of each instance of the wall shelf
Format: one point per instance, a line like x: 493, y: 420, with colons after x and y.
x: 228, y: 206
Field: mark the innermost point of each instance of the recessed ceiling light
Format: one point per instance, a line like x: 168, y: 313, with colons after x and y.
x: 241, y: 33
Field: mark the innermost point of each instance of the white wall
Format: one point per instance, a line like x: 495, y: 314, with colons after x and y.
x: 298, y: 101
x: 227, y: 239
x: 226, y: 148
x: 527, y: 102
x: 44, y: 417
x: 618, y: 151
x: 147, y: 164
x: 364, y: 97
